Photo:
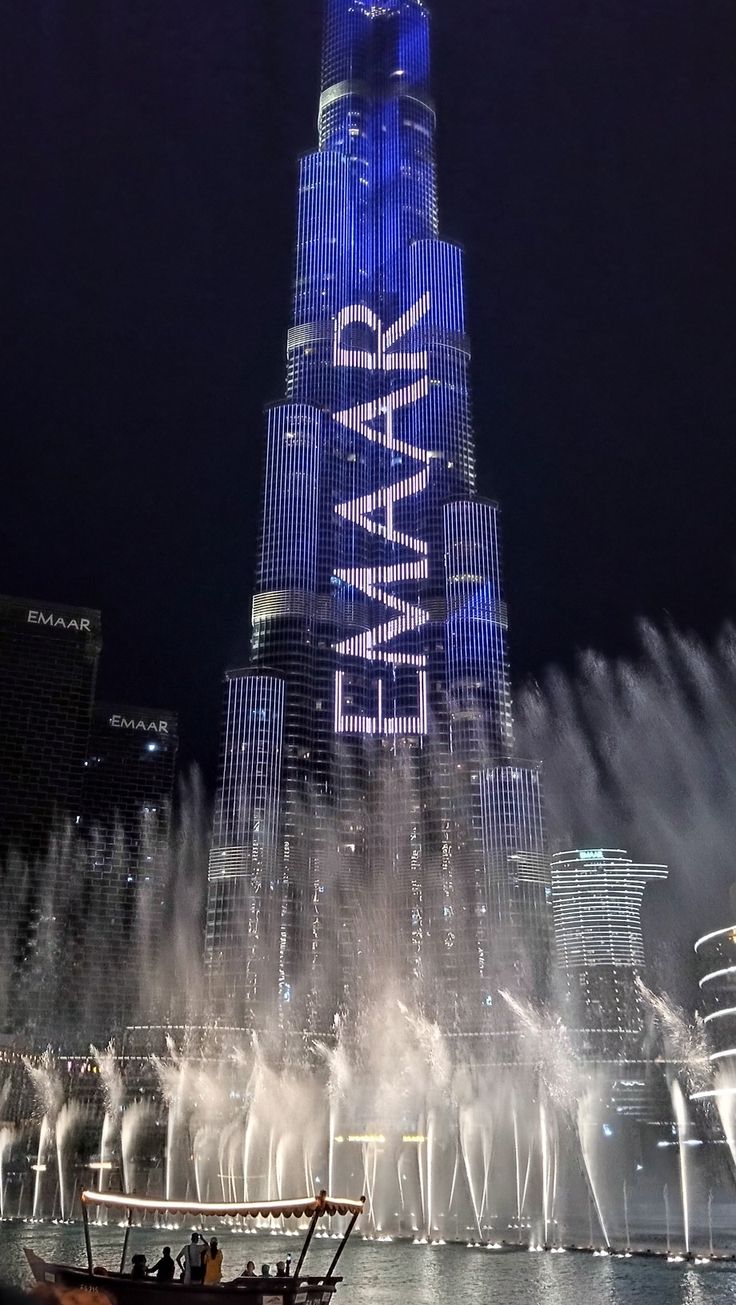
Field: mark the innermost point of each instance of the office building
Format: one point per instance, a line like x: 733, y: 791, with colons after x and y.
x: 48, y: 668
x: 128, y: 791
x: 369, y: 743
x: 597, y: 902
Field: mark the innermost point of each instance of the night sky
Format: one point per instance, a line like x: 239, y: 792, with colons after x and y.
x: 587, y: 157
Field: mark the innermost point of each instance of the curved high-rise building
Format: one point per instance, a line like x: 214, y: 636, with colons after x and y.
x: 597, y: 896
x: 716, y: 953
x: 371, y: 825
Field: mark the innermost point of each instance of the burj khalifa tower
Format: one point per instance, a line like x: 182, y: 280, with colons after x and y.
x: 373, y: 825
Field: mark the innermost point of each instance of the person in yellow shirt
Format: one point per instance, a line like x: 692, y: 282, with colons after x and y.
x: 212, y: 1261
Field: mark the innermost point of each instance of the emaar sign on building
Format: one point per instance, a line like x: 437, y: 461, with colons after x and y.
x: 141, y: 726
x: 79, y: 623
x: 375, y: 514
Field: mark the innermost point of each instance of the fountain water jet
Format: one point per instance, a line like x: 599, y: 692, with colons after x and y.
x: 571, y: 1087
x: 7, y: 1138
x: 45, y: 1142
x: 135, y: 1117
x: 113, y: 1089
x: 544, y: 1143
x: 49, y: 1093
x: 227, y: 1147
x: 174, y: 1078
x: 683, y: 1127
x: 585, y: 1124
x: 69, y: 1122
x: 710, y: 1222
x: 686, y: 1039
x: 465, y: 1150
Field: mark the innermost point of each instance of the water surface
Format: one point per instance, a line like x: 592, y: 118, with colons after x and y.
x: 401, y: 1274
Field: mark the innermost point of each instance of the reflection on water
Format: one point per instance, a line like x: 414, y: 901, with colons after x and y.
x: 401, y: 1274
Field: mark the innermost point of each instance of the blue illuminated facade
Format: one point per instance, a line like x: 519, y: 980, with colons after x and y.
x: 243, y: 905
x: 378, y: 605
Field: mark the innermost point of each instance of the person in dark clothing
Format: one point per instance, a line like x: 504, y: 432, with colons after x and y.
x: 165, y: 1269
x: 189, y: 1259
x: 138, y: 1267
x: 265, y: 1271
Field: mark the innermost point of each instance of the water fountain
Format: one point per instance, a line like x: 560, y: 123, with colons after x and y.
x: 446, y: 1140
x: 442, y: 1149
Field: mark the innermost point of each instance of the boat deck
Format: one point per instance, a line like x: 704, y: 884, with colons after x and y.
x: 122, y: 1289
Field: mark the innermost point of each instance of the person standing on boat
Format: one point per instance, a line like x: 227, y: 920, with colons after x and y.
x: 250, y: 1269
x: 165, y: 1269
x: 139, y: 1268
x: 189, y: 1259
x: 212, y: 1261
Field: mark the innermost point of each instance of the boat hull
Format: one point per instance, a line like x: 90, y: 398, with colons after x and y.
x: 121, y: 1289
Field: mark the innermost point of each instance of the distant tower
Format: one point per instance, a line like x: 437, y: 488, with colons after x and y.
x: 597, y: 898
x: 371, y: 822
x: 126, y: 813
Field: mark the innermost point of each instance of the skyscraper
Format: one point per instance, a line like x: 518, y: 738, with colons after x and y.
x: 369, y: 816
x: 126, y: 811
x: 597, y: 898
x: 48, y: 668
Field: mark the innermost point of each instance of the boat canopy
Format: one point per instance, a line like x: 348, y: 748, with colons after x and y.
x: 308, y: 1206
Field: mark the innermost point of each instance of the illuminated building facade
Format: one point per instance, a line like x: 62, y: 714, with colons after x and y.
x: 597, y: 900
x: 367, y: 787
x: 716, y: 957
x: 244, y: 904
x: 85, y: 804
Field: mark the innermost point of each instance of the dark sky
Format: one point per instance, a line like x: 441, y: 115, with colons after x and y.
x: 588, y: 164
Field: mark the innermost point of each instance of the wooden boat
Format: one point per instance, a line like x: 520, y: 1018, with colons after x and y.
x: 122, y: 1289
